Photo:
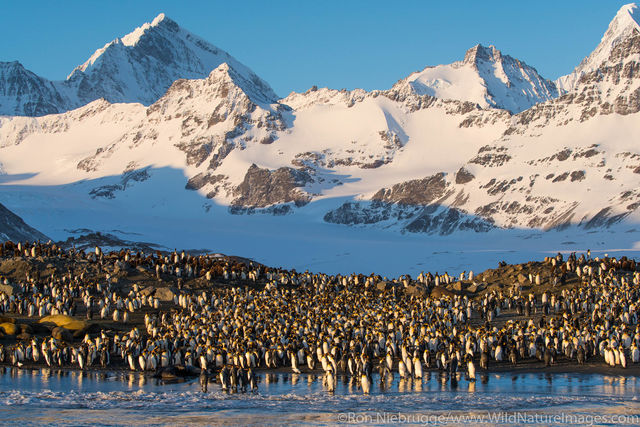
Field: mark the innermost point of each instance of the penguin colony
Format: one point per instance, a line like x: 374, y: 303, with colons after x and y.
x: 244, y: 317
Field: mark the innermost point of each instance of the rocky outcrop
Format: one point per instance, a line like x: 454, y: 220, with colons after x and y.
x: 13, y: 228
x: 414, y: 192
x: 128, y: 178
x: 430, y: 219
x: 263, y: 187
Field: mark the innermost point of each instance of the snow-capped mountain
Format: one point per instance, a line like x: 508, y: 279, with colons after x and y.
x: 485, y: 77
x: 138, y: 67
x: 221, y: 155
x: 622, y: 30
x: 22, y: 93
x: 12, y: 227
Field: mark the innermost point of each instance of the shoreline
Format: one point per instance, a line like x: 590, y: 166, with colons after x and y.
x: 505, y: 368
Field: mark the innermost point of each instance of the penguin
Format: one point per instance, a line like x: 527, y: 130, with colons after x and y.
x: 402, y: 369
x: 204, y: 381
x: 252, y: 381
x: 580, y: 355
x: 417, y: 367
x: 365, y: 382
x: 635, y: 353
x: 548, y: 357
x: 484, y: 360
x: 294, y: 363
x: 471, y: 369
x: 224, y: 379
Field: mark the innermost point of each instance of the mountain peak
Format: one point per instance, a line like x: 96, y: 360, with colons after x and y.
x: 160, y: 21
x: 486, y: 77
x: 482, y: 53
x: 161, y: 17
x: 624, y: 25
x: 628, y: 16
x: 142, y: 65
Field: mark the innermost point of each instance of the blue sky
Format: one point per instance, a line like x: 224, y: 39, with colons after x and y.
x: 296, y: 44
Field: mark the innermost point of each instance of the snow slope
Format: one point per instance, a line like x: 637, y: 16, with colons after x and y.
x: 485, y: 77
x: 333, y: 180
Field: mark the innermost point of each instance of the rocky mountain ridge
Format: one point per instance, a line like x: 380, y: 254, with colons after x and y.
x: 407, y: 159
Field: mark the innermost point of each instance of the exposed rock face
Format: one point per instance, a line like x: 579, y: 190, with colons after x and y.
x: 22, y: 93
x: 416, y: 205
x: 447, y: 220
x: 431, y: 219
x: 202, y: 179
x: 463, y: 176
x: 13, y: 228
x: 262, y: 187
x: 128, y: 178
x: 414, y: 192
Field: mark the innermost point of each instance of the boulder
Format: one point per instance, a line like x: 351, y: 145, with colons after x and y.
x: 56, y: 319
x: 149, y: 290
x: 8, y: 328
x: 24, y: 336
x: 7, y: 289
x: 522, y: 278
x: 7, y: 319
x: 68, y: 322
x: 476, y: 287
x: 62, y: 334
x: 416, y: 291
x: 457, y: 286
x: 165, y: 294
x: 439, y: 291
x: 383, y: 286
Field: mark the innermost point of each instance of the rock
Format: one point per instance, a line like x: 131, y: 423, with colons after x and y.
x: 7, y: 289
x: 476, y: 287
x: 8, y: 328
x: 263, y: 187
x: 6, y: 319
x: 141, y: 269
x: 457, y: 286
x: 24, y: 328
x: 522, y: 278
x: 383, y: 286
x: 62, y: 334
x: 68, y: 322
x: 439, y: 291
x: 165, y: 294
x: 24, y: 336
x: 149, y: 290
x: 416, y: 291
x: 15, y: 267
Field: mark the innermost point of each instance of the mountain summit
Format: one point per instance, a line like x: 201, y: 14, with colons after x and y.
x: 138, y: 67
x: 142, y: 65
x: 624, y: 26
x: 485, y: 77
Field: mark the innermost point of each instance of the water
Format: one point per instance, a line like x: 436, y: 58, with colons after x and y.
x: 37, y: 397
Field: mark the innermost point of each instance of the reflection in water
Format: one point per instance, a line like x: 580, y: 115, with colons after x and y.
x: 118, y: 395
